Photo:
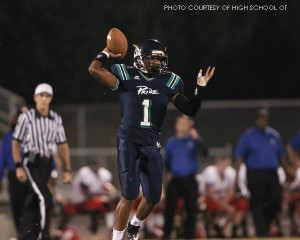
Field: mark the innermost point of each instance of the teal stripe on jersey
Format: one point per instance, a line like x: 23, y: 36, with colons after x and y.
x: 125, y: 72
x: 121, y: 75
x: 171, y: 79
x: 176, y: 82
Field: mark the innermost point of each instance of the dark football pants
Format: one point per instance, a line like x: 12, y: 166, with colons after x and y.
x: 186, y: 188
x: 36, y: 217
x: 140, y: 165
x: 265, y: 201
x: 17, y: 195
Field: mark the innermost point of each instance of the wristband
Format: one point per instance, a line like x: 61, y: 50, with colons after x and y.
x: 67, y: 170
x: 198, y: 89
x: 18, y: 165
x: 102, y: 57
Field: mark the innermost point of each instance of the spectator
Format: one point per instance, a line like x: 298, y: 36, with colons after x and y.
x: 92, y: 192
x: 260, y: 148
x: 218, y: 187
x: 16, y: 189
x: 181, y: 164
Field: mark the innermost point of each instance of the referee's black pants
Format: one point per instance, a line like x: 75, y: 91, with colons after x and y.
x: 186, y: 188
x: 265, y: 201
x: 17, y: 195
x: 36, y: 217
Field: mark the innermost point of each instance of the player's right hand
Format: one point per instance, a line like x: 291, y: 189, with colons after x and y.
x: 21, y: 175
x: 111, y: 54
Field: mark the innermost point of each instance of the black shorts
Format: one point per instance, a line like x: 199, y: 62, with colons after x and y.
x: 140, y: 165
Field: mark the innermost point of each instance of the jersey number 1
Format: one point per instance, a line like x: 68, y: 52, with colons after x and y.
x: 147, y: 104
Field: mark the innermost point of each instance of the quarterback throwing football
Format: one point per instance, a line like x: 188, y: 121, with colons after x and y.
x: 145, y: 89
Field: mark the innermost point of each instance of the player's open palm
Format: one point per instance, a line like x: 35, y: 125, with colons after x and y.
x: 203, y: 80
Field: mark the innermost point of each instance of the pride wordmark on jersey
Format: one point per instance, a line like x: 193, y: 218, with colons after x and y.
x: 146, y: 90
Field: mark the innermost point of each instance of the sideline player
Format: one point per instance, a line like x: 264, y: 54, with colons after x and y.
x: 145, y: 90
x: 218, y: 185
x: 92, y: 193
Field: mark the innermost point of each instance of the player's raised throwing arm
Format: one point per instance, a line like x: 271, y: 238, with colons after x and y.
x: 190, y: 107
x: 97, y: 70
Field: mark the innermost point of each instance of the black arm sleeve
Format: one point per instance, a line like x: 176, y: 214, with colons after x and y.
x: 190, y: 107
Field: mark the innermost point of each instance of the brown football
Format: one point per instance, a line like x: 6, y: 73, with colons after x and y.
x: 116, y: 42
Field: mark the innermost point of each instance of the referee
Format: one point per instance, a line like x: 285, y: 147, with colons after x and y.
x: 37, y: 131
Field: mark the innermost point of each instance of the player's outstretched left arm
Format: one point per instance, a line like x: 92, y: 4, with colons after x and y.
x: 190, y: 107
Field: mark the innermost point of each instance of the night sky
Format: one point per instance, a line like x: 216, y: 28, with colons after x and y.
x: 257, y: 53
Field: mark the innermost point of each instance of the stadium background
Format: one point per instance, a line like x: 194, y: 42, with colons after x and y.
x: 256, y: 54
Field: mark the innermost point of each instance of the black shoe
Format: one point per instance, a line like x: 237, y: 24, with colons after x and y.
x: 132, y: 232
x: 234, y: 232
x: 219, y: 231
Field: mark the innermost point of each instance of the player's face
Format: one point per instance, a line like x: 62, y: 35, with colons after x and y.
x: 42, y: 100
x: 94, y: 168
x: 151, y: 62
x: 183, y: 125
x: 261, y: 122
x: 222, y: 164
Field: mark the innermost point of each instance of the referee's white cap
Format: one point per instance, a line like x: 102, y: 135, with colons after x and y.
x: 43, y: 88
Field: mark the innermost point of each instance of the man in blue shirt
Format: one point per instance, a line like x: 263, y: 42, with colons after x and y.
x: 260, y: 148
x: 17, y: 190
x: 181, y: 162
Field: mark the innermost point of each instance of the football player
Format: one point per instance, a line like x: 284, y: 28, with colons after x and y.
x: 145, y: 89
x: 218, y: 186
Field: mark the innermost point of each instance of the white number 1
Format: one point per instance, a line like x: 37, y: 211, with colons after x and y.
x: 147, y: 103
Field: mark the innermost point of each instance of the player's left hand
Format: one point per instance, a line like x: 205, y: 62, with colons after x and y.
x: 203, y: 80
x: 68, y: 177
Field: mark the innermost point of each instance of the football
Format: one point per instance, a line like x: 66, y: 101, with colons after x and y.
x: 116, y: 42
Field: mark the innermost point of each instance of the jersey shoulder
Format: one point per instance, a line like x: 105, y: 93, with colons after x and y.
x: 230, y: 172
x: 104, y: 174
x: 171, y: 140
x: 249, y: 132
x: 273, y: 132
x: 55, y: 116
x: 172, y: 80
x: 124, y: 72
x: 84, y: 171
x: 209, y: 171
x: 27, y: 116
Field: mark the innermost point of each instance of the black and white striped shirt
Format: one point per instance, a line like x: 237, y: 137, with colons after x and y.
x: 39, y: 134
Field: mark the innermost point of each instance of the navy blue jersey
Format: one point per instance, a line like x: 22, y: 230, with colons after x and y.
x: 143, y: 102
